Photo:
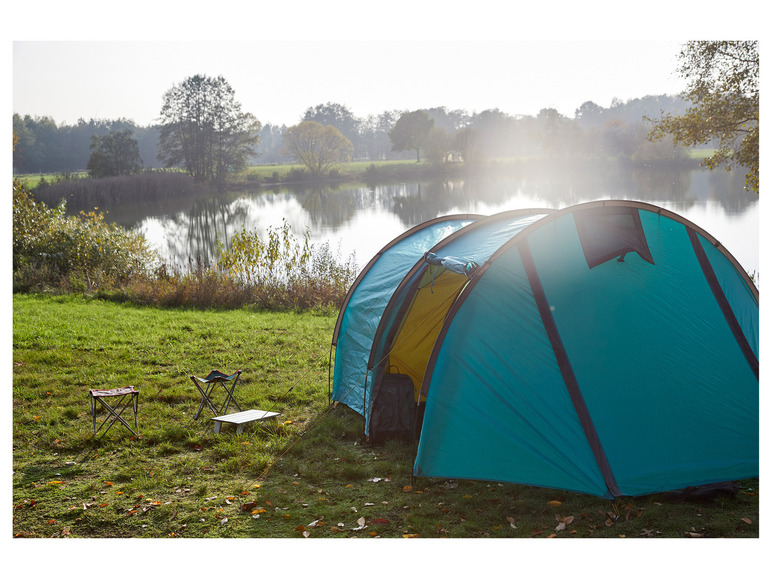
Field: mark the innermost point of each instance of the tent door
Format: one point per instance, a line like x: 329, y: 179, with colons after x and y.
x: 393, y: 410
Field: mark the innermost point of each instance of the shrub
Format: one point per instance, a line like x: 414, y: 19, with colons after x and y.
x: 285, y: 271
x: 81, y: 252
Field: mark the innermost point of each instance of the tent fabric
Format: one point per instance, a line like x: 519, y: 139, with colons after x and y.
x: 369, y: 295
x: 476, y: 242
x: 609, y: 348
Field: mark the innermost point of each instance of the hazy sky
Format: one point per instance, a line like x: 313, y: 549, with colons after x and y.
x: 87, y: 59
x: 277, y: 81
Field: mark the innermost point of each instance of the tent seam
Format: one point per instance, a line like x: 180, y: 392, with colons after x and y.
x: 566, y: 370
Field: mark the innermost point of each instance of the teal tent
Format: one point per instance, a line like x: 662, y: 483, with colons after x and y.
x: 609, y: 348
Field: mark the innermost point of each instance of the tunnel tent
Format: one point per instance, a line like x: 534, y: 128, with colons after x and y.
x: 368, y: 296
x: 609, y: 348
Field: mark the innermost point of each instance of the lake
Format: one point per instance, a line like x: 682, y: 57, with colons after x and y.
x: 361, y: 219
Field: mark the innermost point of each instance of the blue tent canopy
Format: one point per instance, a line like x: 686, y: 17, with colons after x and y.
x: 367, y: 298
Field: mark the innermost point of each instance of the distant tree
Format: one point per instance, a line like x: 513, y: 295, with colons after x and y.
x: 374, y: 134
x: 438, y: 145
x: 204, y: 129
x: 316, y: 146
x: 336, y: 115
x: 723, y: 85
x: 411, y: 131
x: 339, y: 116
x: 450, y: 121
x: 467, y: 142
x: 116, y: 153
x: 552, y: 127
x: 589, y: 114
x: 496, y: 133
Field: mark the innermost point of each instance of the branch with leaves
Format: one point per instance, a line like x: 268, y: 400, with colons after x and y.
x: 723, y: 85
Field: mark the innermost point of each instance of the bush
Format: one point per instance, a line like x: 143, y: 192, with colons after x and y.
x: 286, y: 272
x: 74, y: 252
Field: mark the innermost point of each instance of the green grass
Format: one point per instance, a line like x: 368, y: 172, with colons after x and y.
x: 306, y: 474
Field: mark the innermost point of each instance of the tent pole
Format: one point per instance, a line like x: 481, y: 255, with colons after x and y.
x: 415, y: 438
x: 329, y: 379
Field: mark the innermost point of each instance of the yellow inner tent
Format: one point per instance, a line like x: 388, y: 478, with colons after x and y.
x: 414, y: 342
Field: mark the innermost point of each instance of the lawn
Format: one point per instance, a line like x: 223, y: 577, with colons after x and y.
x: 307, y: 474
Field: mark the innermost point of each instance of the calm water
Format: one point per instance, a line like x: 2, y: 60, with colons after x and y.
x: 363, y: 219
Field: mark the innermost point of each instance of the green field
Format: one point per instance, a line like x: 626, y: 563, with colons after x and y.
x: 306, y: 474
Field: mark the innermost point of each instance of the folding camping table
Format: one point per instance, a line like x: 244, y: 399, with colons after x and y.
x: 206, y: 387
x: 242, y: 418
x: 115, y: 402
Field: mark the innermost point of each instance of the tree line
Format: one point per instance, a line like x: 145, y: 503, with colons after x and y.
x: 43, y: 146
x: 203, y: 129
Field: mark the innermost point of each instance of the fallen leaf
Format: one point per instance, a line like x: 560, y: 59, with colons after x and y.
x: 410, y: 536
x: 380, y: 522
x: 554, y: 503
x: 306, y: 534
x: 746, y: 520
x: 407, y: 489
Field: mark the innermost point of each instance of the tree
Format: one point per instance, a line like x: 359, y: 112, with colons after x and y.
x: 438, y: 145
x: 411, y: 132
x: 467, y: 142
x: 116, y: 153
x: 204, y: 129
x: 723, y: 85
x: 316, y: 146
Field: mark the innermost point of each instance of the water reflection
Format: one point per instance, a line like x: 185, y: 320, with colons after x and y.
x: 363, y: 218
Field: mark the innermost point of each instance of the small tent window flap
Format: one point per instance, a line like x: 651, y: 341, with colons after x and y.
x: 611, y: 232
x: 454, y: 264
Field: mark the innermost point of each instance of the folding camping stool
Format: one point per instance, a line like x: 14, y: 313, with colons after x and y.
x: 206, y: 387
x: 119, y: 404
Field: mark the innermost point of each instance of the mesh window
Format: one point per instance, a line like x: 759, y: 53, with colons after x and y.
x: 611, y: 232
